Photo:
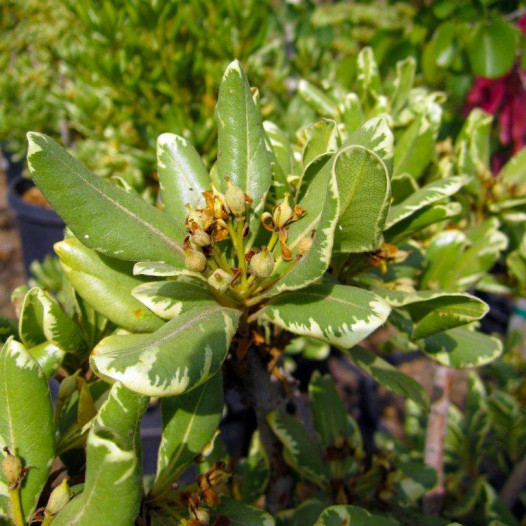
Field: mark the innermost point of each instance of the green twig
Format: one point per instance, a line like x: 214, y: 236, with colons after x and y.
x: 16, y: 506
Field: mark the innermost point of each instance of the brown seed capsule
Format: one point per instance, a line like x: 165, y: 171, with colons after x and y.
x: 235, y: 199
x: 201, y: 238
x: 195, y: 261
x: 262, y: 264
x: 202, y: 515
x: 12, y: 469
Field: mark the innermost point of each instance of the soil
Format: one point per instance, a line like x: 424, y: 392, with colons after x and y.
x: 34, y: 197
x: 11, y: 267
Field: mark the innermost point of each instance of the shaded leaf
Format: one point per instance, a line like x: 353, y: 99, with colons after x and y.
x: 352, y: 515
x: 189, y: 422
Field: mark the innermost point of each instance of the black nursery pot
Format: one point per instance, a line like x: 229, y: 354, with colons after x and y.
x: 12, y: 169
x: 40, y: 228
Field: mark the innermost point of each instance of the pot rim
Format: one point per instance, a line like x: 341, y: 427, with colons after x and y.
x: 27, y: 211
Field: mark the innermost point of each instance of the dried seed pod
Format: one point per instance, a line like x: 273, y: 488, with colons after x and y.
x: 12, y: 469
x: 201, y: 238
x: 304, y: 245
x: 282, y: 213
x: 236, y: 200
x: 195, y: 261
x: 262, y: 264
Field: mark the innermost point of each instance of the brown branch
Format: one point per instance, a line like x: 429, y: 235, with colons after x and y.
x: 515, y: 484
x: 266, y: 394
x: 435, y: 439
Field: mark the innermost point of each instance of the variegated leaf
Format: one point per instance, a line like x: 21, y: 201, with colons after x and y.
x: 335, y: 427
x: 48, y: 356
x: 375, y: 135
x: 462, y: 348
x: 367, y: 74
x: 388, y: 376
x: 352, y: 112
x: 402, y: 187
x: 338, y: 314
x: 352, y: 515
x: 182, y: 176
x: 106, y: 285
x: 242, y: 154
x: 26, y: 425
x: 299, y: 450
x: 421, y: 219
x: 113, y: 486
x: 280, y: 156
x: 189, y: 423
x: 241, y: 514
x: 435, y: 311
x: 181, y: 355
x: 364, y: 192
x: 321, y: 218
x: 321, y: 102
x: 160, y: 269
x: 98, y: 212
x: 416, y: 146
x: 253, y: 471
x: 306, y: 513
x: 431, y: 193
x: 321, y: 137
x: 168, y: 299
x: 43, y: 320
x: 405, y: 76
x: 513, y: 174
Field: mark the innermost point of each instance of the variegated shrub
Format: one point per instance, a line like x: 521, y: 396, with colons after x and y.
x: 329, y: 239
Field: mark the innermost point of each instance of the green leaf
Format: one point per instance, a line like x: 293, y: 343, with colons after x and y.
x: 402, y: 187
x: 299, y: 450
x: 472, y: 146
x: 321, y: 218
x: 435, y: 311
x: 338, y: 314
x: 430, y: 193
x: 26, y: 424
x: 48, y: 356
x: 306, y: 513
x: 375, y: 135
x: 182, y: 177
x: 462, y: 348
x: 168, y: 299
x: 364, y: 192
x: 336, y: 428
x: 445, y: 44
x: 405, y: 76
x: 367, y: 75
x: 105, y: 217
x: 242, y: 154
x: 43, y: 320
x: 253, y: 471
x: 189, y: 423
x: 113, y: 486
x: 106, y: 285
x: 415, y: 148
x: 181, y: 355
x: 468, y: 258
x: 321, y: 137
x: 513, y: 173
x: 321, y: 102
x: 388, y: 376
x: 8, y: 327
x: 241, y: 514
x: 280, y: 156
x: 160, y: 269
x: 352, y: 515
x: 492, y: 48
x: 352, y: 112
x: 421, y: 219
